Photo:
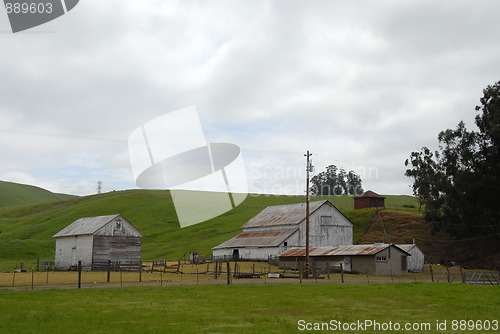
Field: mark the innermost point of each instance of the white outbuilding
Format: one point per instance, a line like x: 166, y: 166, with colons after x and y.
x: 416, y: 259
x: 97, y: 240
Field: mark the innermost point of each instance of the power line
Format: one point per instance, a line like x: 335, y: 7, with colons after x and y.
x: 61, y: 135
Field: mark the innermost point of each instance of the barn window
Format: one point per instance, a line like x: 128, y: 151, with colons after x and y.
x: 326, y: 220
x: 285, y: 244
x: 381, y: 258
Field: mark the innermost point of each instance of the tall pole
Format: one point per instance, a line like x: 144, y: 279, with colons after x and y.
x: 308, y: 169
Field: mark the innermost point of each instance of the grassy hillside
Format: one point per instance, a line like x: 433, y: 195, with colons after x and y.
x: 15, y: 194
x: 438, y: 247
x: 26, y: 232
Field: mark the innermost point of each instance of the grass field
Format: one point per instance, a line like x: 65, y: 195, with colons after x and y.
x: 246, y: 308
x: 26, y: 231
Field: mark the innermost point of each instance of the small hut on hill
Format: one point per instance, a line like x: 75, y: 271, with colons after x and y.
x: 369, y: 199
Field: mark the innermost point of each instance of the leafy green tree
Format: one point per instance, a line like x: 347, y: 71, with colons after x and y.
x: 460, y: 183
x: 334, y: 181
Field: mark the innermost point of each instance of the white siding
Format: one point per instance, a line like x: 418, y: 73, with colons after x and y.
x: 118, y: 227
x: 328, y: 227
x: 254, y: 253
x: 416, y: 260
x: 71, y: 249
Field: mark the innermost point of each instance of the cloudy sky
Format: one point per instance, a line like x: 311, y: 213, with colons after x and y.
x: 361, y: 84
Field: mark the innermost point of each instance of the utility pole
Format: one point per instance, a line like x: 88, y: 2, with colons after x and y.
x: 99, y: 186
x: 308, y: 169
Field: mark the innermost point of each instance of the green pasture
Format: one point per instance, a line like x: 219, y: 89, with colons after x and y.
x: 26, y: 230
x: 245, y: 308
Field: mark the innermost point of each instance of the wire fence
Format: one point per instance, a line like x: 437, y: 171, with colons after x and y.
x: 163, y: 272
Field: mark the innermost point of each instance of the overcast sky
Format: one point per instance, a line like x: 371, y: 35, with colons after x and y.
x: 361, y: 84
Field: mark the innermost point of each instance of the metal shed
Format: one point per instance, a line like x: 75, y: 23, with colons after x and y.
x: 96, y: 240
x: 376, y: 259
x: 278, y: 228
x: 417, y: 258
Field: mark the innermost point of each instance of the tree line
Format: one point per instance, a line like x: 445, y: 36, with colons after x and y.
x: 336, y: 181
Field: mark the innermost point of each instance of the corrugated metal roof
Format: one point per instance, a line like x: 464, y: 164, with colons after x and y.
x: 288, y: 214
x: 257, y: 239
x: 349, y: 250
x: 82, y: 226
x: 407, y: 247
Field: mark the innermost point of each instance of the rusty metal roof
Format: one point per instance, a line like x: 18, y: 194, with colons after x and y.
x: 288, y: 214
x: 349, y: 250
x: 82, y: 226
x: 370, y: 194
x: 257, y: 239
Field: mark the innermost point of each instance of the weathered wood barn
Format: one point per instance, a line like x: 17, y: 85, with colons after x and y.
x: 375, y: 259
x: 278, y: 228
x: 97, y: 240
x: 417, y: 258
x: 369, y: 199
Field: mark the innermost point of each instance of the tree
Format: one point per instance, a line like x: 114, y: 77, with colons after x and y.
x: 460, y: 183
x: 334, y: 181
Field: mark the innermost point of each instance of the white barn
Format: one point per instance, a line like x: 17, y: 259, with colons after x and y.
x: 417, y: 258
x: 278, y: 228
x: 97, y: 240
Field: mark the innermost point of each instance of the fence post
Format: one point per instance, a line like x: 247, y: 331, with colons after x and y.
x: 140, y: 271
x: 32, y: 279
x: 14, y: 278
x: 367, y: 277
x: 228, y: 267
x: 109, y: 271
x: 432, y: 273
x: 448, y: 274
x: 301, y: 271
x: 79, y: 274
x: 342, y: 271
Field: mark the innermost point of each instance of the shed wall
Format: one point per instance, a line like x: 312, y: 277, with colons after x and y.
x: 115, y: 248
x: 118, y: 227
x: 71, y: 249
x: 416, y: 260
x: 328, y: 227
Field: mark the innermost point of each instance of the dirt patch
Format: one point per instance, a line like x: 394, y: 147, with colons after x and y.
x: 405, y: 227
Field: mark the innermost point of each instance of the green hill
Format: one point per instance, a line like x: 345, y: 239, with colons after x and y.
x: 15, y: 194
x: 26, y: 232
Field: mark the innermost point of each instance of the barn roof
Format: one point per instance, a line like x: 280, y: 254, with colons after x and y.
x: 349, y: 250
x: 408, y: 247
x: 257, y: 239
x: 370, y: 194
x: 82, y: 226
x: 288, y: 214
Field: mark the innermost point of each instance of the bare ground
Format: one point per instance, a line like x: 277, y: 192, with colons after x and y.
x: 441, y: 248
